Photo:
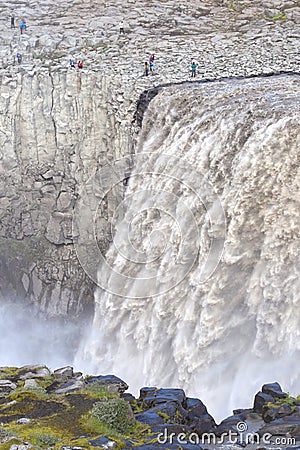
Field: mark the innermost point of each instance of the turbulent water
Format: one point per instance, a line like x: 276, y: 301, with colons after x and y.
x: 200, y: 288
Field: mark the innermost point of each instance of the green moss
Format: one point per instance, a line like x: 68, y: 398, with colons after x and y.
x: 7, y: 445
x: 45, y: 382
x: 97, y: 390
x: 289, y: 400
x: 163, y: 415
x: 33, y: 393
x: 8, y: 373
x: 138, y: 407
x: 92, y: 425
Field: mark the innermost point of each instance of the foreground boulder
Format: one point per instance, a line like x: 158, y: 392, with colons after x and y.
x: 110, y: 382
x: 274, y: 390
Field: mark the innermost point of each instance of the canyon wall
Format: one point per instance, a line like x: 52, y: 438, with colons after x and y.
x: 57, y: 129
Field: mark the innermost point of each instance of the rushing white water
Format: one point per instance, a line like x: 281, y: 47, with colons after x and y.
x: 167, y: 313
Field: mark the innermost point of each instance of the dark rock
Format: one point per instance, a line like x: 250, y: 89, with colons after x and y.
x: 280, y: 427
x: 64, y: 373
x: 296, y: 410
x: 260, y: 400
x: 273, y: 389
x: 146, y: 391
x: 153, y: 396
x: 231, y: 424
x: 143, y: 103
x: 129, y: 398
x: 203, y: 424
x: 110, y: 382
x: 171, y: 428
x: 195, y: 407
x: 270, y: 414
x: 64, y: 388
x: 161, y: 414
x: 128, y: 444
x: 197, y: 416
x: 242, y: 411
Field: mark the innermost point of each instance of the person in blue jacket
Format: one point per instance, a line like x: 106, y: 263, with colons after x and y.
x: 23, y: 26
x: 193, y: 69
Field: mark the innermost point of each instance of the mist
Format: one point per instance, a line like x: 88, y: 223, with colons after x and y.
x: 30, y: 339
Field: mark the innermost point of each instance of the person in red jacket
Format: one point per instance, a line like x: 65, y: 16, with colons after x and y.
x: 80, y: 64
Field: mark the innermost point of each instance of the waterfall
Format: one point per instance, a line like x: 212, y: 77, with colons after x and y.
x: 200, y: 288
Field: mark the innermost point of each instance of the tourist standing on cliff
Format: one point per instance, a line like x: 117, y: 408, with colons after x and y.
x: 152, y: 67
x: 146, y: 69
x: 19, y: 58
x: 12, y: 21
x: 121, y: 25
x: 193, y: 69
x: 151, y: 63
x: 23, y: 26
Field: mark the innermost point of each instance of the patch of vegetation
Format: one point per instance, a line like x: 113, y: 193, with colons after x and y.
x: 7, y: 445
x: 6, y: 433
x: 138, y: 407
x: 43, y: 436
x: 9, y: 373
x: 31, y: 392
x: 163, y: 415
x: 289, y: 400
x: 114, y: 413
x: 45, y: 439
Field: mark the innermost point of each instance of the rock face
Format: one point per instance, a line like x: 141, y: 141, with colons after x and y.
x: 61, y: 131
x: 59, y: 125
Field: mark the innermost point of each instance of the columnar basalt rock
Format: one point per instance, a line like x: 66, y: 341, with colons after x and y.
x: 64, y: 128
